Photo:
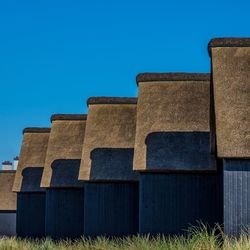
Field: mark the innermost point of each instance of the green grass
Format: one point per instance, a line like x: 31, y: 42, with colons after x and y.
x: 196, y: 239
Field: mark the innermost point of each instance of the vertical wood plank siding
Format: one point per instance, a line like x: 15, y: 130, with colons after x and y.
x: 31, y: 214
x: 171, y: 203
x: 111, y: 209
x: 236, y: 196
x: 8, y: 223
x: 64, y: 212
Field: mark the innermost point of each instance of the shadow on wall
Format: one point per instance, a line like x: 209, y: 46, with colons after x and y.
x: 112, y: 164
x: 179, y: 151
x: 65, y: 173
x: 31, y: 179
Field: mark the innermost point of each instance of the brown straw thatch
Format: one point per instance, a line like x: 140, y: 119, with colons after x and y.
x: 231, y: 85
x: 32, y: 156
x: 170, y: 102
x: 109, y: 138
x: 65, y: 142
x: 7, y: 197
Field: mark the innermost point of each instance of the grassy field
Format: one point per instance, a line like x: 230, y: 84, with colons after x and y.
x: 198, y: 239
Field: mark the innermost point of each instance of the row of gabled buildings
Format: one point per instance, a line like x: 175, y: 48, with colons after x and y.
x: 173, y: 157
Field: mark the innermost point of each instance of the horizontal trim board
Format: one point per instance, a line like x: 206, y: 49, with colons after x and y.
x: 7, y: 211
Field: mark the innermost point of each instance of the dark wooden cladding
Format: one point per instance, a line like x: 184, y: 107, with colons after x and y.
x: 30, y: 215
x: 7, y: 223
x: 68, y: 117
x: 171, y: 203
x: 151, y: 77
x: 64, y: 213
x: 111, y: 209
x: 111, y: 100
x: 236, y: 196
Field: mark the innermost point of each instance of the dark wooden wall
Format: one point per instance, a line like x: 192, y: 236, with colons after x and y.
x: 64, y: 213
x: 171, y: 203
x: 7, y: 223
x: 111, y: 209
x: 236, y: 195
x: 31, y: 214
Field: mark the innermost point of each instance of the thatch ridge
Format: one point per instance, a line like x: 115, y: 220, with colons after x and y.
x: 36, y: 130
x: 68, y: 117
x: 228, y: 42
x: 111, y: 100
x: 172, y: 76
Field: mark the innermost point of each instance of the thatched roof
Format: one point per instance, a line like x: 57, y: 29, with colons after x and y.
x: 32, y: 158
x: 231, y: 88
x: 166, y: 104
x: 109, y: 140
x: 7, y: 197
x: 65, y: 143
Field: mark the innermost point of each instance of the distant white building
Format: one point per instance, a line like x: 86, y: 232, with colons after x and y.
x: 15, y: 163
x: 6, y: 165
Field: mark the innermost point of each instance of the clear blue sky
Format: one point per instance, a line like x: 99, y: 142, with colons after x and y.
x: 54, y: 54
